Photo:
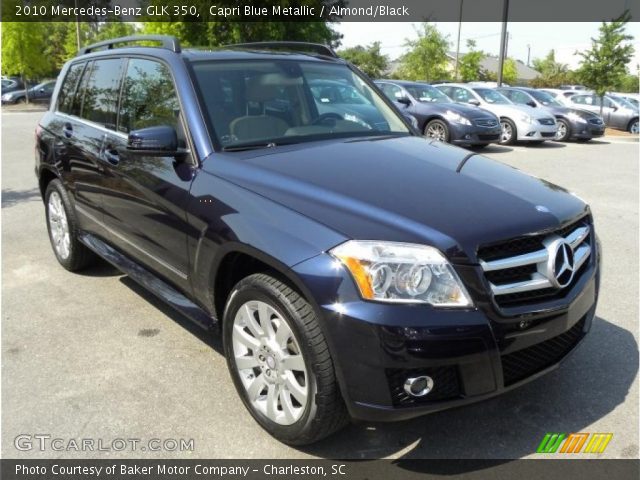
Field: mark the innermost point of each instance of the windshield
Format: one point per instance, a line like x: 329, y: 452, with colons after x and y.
x: 492, y: 96
x: 427, y: 94
x: 544, y: 98
x: 273, y: 102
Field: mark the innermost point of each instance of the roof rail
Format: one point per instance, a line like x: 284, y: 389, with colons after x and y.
x: 168, y: 42
x: 316, y: 48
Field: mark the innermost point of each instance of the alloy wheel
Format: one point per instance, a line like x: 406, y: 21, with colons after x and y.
x: 269, y: 362
x: 507, y: 132
x: 562, y: 131
x: 634, y: 128
x: 437, y: 132
x: 59, y: 226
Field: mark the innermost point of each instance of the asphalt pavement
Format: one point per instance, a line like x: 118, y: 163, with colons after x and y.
x: 94, y: 356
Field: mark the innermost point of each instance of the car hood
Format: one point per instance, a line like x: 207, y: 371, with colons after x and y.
x: 567, y: 110
x: 467, y: 111
x: 514, y: 111
x: 405, y: 189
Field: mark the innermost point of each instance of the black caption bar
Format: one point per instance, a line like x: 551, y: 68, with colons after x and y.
x: 331, y: 469
x: 315, y: 10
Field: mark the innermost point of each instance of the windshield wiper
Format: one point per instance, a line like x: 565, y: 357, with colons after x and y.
x: 248, y: 146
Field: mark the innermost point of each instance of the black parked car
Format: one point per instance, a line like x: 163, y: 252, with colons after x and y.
x: 11, y: 84
x: 353, y: 271
x: 41, y: 93
x: 573, y: 123
x: 441, y: 118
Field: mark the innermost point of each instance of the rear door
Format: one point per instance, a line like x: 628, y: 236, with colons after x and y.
x: 144, y: 204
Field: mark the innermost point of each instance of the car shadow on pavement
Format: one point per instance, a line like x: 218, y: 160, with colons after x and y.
x: 493, y: 148
x: 543, y: 145
x: 13, y: 197
x: 590, y: 384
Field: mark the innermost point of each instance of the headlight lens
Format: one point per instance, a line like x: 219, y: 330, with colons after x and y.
x: 574, y: 117
x: 6, y: 96
x: 402, y: 273
x: 456, y: 117
x: 527, y: 119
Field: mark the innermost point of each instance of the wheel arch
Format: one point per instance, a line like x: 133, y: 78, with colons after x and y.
x: 45, y: 178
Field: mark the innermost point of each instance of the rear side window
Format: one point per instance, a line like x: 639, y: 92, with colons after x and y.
x: 148, y: 97
x: 68, y: 89
x: 100, y: 97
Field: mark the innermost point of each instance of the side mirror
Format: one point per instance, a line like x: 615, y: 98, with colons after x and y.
x: 614, y: 108
x: 531, y: 103
x: 160, y: 141
x: 473, y: 101
x: 404, y: 100
x: 41, y: 90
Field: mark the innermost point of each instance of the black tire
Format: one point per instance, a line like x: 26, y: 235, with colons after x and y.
x: 505, y: 122
x: 441, y: 127
x: 478, y: 146
x: 325, y: 412
x: 633, y: 125
x: 583, y: 140
x: 21, y: 101
x: 79, y: 256
x: 566, y: 127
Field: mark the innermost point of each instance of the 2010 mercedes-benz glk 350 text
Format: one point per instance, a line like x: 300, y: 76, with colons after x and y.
x: 354, y: 268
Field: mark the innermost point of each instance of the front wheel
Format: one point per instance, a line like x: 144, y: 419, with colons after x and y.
x: 280, y: 362
x: 437, y: 130
x: 509, y: 133
x: 564, y: 131
x: 633, y: 127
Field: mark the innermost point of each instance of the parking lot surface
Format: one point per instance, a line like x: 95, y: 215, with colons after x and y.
x: 93, y: 356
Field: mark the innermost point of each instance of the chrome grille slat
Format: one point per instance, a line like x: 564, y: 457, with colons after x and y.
x: 577, y: 239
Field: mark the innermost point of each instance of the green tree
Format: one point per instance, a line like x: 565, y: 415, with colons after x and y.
x: 427, y: 57
x: 630, y: 82
x: 470, y: 64
x: 22, y: 47
x: 369, y: 59
x: 552, y: 73
x: 604, y: 65
x: 509, y: 73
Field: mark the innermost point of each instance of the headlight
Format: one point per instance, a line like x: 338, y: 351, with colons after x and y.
x: 574, y: 117
x: 402, y: 273
x: 6, y: 96
x: 527, y: 119
x: 456, y: 117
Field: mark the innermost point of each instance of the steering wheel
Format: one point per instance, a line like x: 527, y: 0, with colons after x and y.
x: 327, y: 116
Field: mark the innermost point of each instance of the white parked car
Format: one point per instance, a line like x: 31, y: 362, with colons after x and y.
x: 519, y: 122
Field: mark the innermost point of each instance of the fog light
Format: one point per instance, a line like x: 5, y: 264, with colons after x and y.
x: 418, y: 386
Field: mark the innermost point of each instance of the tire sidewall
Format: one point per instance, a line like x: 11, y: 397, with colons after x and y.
x: 444, y: 125
x: 567, y: 134
x: 56, y: 186
x: 631, y: 124
x: 248, y: 290
x: 514, y: 132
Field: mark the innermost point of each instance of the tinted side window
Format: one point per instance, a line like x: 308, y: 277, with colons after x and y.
x: 68, y: 89
x: 519, y: 97
x: 100, y: 99
x: 148, y: 97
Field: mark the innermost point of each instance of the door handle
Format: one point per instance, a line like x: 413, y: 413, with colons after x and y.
x: 67, y: 130
x: 111, y: 155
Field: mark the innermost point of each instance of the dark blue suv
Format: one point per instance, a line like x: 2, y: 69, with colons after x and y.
x: 354, y: 268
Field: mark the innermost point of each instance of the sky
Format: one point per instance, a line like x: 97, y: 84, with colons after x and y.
x: 564, y: 38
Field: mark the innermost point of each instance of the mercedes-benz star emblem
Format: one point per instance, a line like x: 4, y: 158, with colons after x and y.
x: 562, y: 264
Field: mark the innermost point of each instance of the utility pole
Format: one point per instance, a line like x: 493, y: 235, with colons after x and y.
x: 503, y: 40
x: 528, y: 54
x: 75, y: 3
x: 458, y: 47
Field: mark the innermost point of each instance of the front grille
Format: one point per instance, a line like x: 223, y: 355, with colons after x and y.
x: 488, y: 137
x: 519, y: 365
x: 486, y: 122
x: 518, y: 272
x: 547, y: 134
x: 446, y: 385
x: 546, y: 121
x: 596, y: 121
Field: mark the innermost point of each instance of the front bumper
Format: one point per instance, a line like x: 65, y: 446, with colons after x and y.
x: 471, y: 354
x: 586, y: 130
x: 535, y: 132
x: 473, y: 134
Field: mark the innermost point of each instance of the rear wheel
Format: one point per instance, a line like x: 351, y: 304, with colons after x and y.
x: 437, y: 130
x: 633, y: 126
x: 509, y: 133
x: 280, y: 362
x: 564, y: 131
x: 63, y: 229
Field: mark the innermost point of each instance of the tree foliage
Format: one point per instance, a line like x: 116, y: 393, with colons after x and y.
x: 427, y: 58
x: 369, y: 59
x: 23, y: 44
x: 552, y: 73
x: 604, y: 66
x: 470, y: 64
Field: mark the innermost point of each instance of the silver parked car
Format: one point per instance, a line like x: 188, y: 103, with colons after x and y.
x: 519, y: 122
x: 616, y: 111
